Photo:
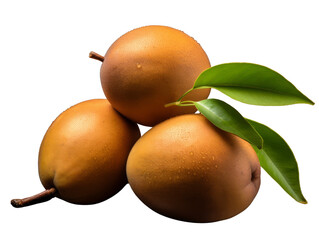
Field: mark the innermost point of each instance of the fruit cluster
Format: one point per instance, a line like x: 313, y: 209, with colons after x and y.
x: 184, y: 167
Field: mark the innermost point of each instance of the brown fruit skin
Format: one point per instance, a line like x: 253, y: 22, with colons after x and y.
x: 187, y: 169
x: 84, y: 152
x: 149, y: 67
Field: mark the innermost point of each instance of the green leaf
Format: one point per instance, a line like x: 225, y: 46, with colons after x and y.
x: 252, y: 84
x: 228, y: 119
x: 277, y: 159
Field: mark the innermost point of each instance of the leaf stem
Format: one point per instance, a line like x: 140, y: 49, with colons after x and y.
x: 184, y: 94
x: 172, y: 104
x: 185, y: 104
x: 181, y: 103
x: 188, y: 102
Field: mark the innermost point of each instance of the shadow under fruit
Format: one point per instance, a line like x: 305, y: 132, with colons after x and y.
x: 188, y: 169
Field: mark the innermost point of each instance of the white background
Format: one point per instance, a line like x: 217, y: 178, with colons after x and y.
x: 44, y: 69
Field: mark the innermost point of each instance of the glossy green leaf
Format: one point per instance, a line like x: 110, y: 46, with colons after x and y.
x: 277, y: 159
x: 229, y: 119
x: 252, y: 84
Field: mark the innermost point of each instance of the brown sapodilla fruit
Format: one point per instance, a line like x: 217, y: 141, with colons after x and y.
x: 149, y: 67
x: 82, y: 158
x: 188, y: 169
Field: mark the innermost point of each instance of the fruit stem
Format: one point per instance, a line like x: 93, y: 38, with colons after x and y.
x: 96, y: 56
x: 38, y: 198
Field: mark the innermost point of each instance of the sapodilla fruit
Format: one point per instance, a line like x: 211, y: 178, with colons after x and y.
x: 82, y: 158
x: 149, y: 67
x: 187, y: 169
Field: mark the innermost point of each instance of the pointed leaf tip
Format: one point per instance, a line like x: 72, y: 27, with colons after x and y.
x: 277, y: 159
x: 252, y: 84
